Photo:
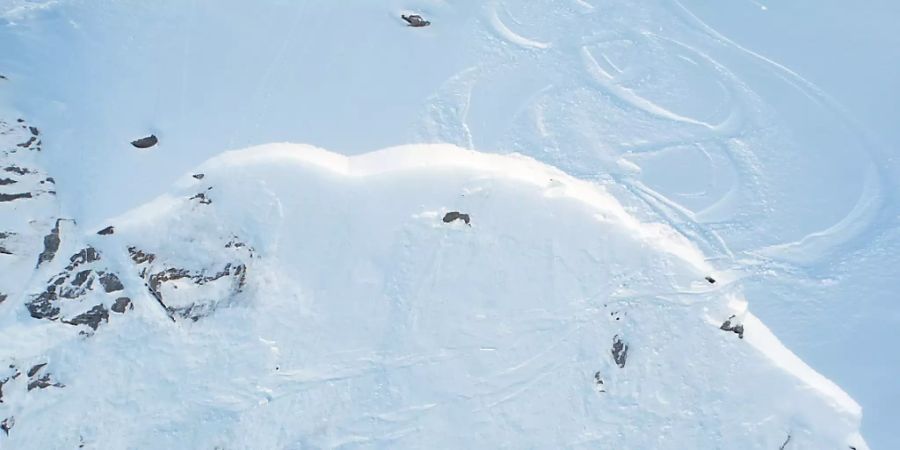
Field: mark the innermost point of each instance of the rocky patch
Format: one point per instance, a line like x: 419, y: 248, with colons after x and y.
x: 619, y: 351
x: 732, y: 326
x: 83, y: 282
x: 107, y: 231
x: 193, y: 293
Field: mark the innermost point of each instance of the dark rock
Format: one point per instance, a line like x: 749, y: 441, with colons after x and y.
x: 7, y: 181
x: 34, y: 131
x: 11, y: 197
x: 2, y: 298
x: 17, y: 170
x: 92, y: 317
x: 415, y: 20
x: 51, y: 180
x: 711, y: 280
x: 734, y: 328
x: 145, y: 142
x: 198, y: 176
x: 51, y: 245
x: 456, y: 215
x: 3, y: 77
x: 35, y: 369
x: 110, y: 282
x: 7, y: 424
x: 121, y: 304
x: 107, y: 231
x: 619, y: 351
x: 4, y: 251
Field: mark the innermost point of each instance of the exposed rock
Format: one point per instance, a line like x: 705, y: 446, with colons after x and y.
x: 27, y: 143
x: 42, y: 307
x: 17, y: 170
x: 107, y: 231
x: 711, y: 280
x: 34, y: 131
x: 110, y: 282
x: 35, y: 369
x: 198, y: 176
x: 7, y: 424
x: 139, y: 257
x: 619, y: 351
x: 2, y: 298
x: 456, y: 215
x: 735, y: 328
x: 145, y: 142
x: 91, y: 318
x: 415, y: 20
x: 121, y: 304
x: 84, y: 256
x: 784, y: 445
x: 11, y: 197
x: 51, y: 245
x: 7, y: 181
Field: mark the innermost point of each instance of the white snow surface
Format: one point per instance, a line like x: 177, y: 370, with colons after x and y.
x: 611, y: 154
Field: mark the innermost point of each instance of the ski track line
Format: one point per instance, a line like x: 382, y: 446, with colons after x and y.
x: 510, y: 36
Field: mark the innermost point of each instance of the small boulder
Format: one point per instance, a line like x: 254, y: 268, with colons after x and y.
x: 198, y: 176
x: 107, y: 231
x: 145, y: 142
x: 415, y: 20
x: 456, y: 215
x: 710, y: 280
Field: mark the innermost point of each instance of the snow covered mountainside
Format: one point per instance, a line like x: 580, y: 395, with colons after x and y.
x: 538, y: 224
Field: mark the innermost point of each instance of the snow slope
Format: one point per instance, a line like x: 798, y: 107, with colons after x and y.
x: 366, y: 320
x: 755, y: 174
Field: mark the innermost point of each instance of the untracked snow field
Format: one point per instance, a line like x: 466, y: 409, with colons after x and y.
x: 610, y: 155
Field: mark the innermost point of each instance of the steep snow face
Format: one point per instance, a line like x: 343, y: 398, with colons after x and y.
x: 289, y: 297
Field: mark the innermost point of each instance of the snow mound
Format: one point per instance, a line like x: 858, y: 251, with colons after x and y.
x: 363, y: 315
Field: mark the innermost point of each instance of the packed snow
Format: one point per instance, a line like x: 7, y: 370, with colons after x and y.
x: 537, y: 224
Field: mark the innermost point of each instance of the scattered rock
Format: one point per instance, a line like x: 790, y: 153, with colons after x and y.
x: 41, y: 306
x: 204, y: 200
x: 198, y: 176
x: 107, y: 231
x: 711, y: 280
x: 734, y: 328
x: 456, y: 215
x: 619, y: 351
x: 598, y: 380
x: 34, y: 131
x: 145, y: 142
x: 121, y: 304
x: 27, y: 143
x: 51, y: 245
x: 415, y: 20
